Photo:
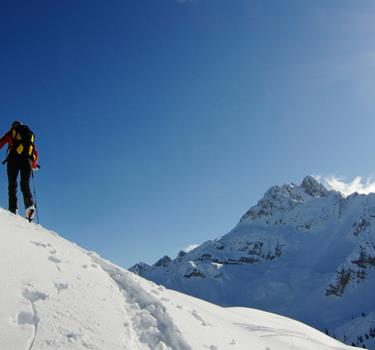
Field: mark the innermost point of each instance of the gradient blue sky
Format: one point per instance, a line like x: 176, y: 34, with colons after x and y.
x: 160, y: 122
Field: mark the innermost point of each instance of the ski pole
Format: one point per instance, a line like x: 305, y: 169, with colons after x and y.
x: 35, y: 198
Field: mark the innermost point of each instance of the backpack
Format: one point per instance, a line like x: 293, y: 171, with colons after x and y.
x: 23, y: 141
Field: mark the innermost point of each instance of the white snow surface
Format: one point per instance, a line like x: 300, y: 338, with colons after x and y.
x: 56, y: 295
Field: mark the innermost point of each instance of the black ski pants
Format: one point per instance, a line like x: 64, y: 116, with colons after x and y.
x: 16, y: 165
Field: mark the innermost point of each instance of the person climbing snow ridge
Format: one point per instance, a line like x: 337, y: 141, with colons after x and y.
x: 22, y: 157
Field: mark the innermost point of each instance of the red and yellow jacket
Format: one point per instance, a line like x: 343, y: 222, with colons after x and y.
x: 8, y: 139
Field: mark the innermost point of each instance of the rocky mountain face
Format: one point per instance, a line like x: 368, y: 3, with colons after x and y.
x: 302, y: 251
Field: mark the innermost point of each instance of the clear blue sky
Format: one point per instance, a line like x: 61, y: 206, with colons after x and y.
x: 160, y: 122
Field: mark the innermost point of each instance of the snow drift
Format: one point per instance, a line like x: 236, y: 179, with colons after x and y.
x: 56, y: 295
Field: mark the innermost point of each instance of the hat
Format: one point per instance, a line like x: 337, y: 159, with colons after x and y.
x: 15, y: 124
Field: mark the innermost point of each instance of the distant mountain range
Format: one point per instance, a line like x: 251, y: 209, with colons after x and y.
x: 303, y: 251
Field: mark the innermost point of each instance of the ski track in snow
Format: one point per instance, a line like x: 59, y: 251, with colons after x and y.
x: 149, y: 317
x: 32, y: 296
x: 275, y: 332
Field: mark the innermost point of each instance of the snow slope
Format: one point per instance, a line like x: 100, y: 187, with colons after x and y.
x: 56, y: 295
x: 302, y: 251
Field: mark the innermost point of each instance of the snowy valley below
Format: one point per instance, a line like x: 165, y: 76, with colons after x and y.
x: 302, y: 251
x: 55, y: 295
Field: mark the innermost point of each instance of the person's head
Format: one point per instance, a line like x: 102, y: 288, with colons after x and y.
x: 16, y: 124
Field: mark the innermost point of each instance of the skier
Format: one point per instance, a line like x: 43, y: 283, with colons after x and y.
x: 22, y: 158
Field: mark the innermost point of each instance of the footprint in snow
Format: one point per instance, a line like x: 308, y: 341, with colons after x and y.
x: 73, y: 337
x: 33, y: 295
x: 56, y: 261
x: 199, y: 318
x: 40, y: 244
x: 61, y: 286
x: 78, y: 339
x: 25, y: 317
x: 52, y: 250
x: 94, y: 266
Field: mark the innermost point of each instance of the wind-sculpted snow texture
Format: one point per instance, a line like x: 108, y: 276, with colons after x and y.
x: 302, y: 251
x: 56, y: 295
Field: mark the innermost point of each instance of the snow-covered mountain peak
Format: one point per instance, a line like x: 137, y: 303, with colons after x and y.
x: 163, y: 262
x: 141, y: 268
x: 279, y: 200
x: 313, y: 187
